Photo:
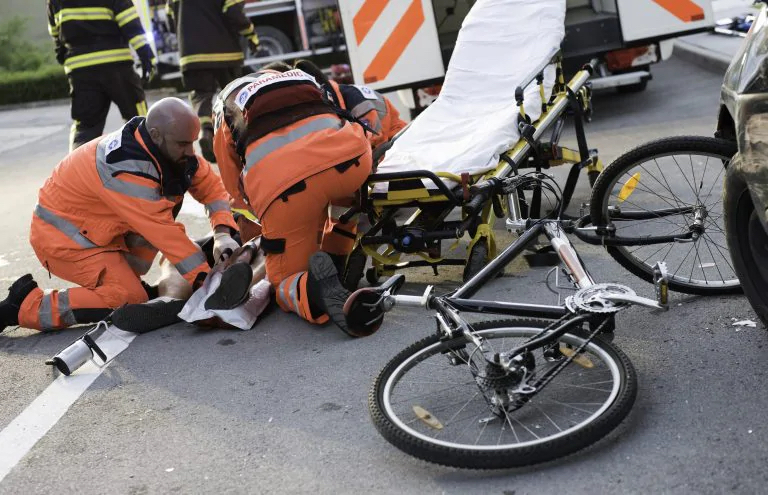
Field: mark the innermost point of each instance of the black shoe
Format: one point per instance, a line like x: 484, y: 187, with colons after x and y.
x: 148, y: 316
x: 233, y: 289
x: 9, y: 308
x: 324, y: 289
x: 326, y: 292
x: 206, y: 145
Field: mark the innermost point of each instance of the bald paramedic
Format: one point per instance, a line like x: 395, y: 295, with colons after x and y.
x: 288, y: 154
x: 106, y: 211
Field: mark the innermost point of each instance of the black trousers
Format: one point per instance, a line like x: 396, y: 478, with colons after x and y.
x: 203, y: 85
x: 93, y: 89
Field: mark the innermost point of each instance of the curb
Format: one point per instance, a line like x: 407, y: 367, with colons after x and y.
x: 708, y: 60
x: 154, y: 93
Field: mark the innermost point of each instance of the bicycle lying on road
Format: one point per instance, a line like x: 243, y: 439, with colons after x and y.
x: 506, y: 393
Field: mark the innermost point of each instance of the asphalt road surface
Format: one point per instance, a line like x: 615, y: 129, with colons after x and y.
x: 283, y: 408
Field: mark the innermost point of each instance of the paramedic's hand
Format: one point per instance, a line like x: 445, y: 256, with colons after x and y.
x: 223, y: 246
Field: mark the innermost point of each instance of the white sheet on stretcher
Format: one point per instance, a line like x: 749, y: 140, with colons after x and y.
x: 474, y: 119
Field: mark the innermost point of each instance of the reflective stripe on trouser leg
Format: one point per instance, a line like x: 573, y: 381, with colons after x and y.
x: 50, y: 310
x: 141, y: 254
x: 141, y: 108
x: 292, y: 297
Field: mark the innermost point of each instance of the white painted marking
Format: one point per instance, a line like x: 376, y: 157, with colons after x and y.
x: 192, y: 207
x: 44, y: 412
x: 4, y: 262
x: 16, y: 137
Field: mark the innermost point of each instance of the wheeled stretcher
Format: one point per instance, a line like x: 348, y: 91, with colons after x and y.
x: 488, y: 123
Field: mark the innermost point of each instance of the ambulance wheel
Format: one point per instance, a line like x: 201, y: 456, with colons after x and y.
x: 353, y: 272
x: 273, y: 41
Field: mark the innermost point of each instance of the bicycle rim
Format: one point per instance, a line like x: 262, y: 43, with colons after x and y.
x: 689, y: 181
x: 579, y: 406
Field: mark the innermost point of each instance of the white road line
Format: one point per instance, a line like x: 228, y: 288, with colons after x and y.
x: 18, y: 438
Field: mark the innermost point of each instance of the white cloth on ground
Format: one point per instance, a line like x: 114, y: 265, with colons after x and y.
x: 242, y: 317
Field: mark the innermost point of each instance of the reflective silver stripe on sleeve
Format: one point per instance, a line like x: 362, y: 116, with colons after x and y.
x: 190, y: 263
x: 277, y: 142
x: 362, y: 108
x: 45, y: 314
x: 214, y: 206
x: 107, y: 173
x: 65, y: 310
x: 133, y: 240
x: 292, y: 294
x: 140, y: 266
x: 281, y: 295
x: 64, y: 226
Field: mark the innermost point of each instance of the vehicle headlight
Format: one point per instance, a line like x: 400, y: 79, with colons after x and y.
x: 747, y: 72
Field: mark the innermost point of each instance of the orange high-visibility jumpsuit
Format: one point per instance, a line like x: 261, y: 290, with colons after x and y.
x: 101, y: 217
x: 294, y: 163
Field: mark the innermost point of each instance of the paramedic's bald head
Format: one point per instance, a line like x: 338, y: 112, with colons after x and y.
x: 174, y: 127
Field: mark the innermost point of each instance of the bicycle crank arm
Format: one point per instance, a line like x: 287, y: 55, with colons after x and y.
x: 640, y: 301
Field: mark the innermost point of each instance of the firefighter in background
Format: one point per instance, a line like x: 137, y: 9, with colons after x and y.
x: 209, y: 34
x: 92, y: 40
x: 108, y: 208
x: 287, y: 169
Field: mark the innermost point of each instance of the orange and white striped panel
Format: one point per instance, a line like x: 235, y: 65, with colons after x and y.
x: 655, y: 19
x: 391, y: 42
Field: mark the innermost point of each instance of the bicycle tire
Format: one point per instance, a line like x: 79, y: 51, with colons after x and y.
x: 720, y: 150
x: 472, y: 457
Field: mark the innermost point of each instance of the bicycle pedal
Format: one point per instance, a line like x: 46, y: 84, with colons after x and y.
x: 661, y: 283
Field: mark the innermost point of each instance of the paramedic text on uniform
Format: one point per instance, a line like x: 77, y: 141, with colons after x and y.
x: 93, y: 40
x: 107, y: 209
x: 209, y: 34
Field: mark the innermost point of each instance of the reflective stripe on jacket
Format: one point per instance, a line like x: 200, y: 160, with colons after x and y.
x: 88, y: 33
x: 114, y: 186
x: 209, y: 32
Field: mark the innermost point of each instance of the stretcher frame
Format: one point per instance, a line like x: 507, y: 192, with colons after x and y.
x: 386, y: 242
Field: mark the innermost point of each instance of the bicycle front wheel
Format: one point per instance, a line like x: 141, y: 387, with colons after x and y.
x: 664, y: 199
x: 429, y: 402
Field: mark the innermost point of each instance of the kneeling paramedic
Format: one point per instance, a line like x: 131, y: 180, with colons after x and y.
x: 107, y: 209
x: 296, y: 155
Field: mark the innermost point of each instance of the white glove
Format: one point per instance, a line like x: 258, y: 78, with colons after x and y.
x: 223, y: 246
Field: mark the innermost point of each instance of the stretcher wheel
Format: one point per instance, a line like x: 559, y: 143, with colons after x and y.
x: 592, y: 175
x: 353, y: 272
x: 371, y: 276
x: 478, y: 258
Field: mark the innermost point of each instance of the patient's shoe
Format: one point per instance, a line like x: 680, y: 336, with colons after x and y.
x: 148, y: 316
x: 233, y: 289
x: 9, y: 308
x: 327, y: 294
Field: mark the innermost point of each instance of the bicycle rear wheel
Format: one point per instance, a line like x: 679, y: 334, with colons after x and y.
x: 669, y: 188
x: 428, y: 403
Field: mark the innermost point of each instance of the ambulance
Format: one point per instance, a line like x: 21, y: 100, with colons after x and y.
x: 406, y: 44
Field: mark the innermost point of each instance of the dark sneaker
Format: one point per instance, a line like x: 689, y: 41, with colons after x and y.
x: 325, y: 290
x: 9, y: 308
x: 206, y: 145
x: 233, y: 289
x: 148, y: 316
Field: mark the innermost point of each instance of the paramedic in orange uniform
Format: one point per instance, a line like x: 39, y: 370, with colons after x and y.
x: 361, y: 102
x: 107, y: 209
x: 285, y: 152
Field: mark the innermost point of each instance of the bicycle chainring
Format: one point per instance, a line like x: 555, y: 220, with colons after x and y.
x: 593, y: 300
